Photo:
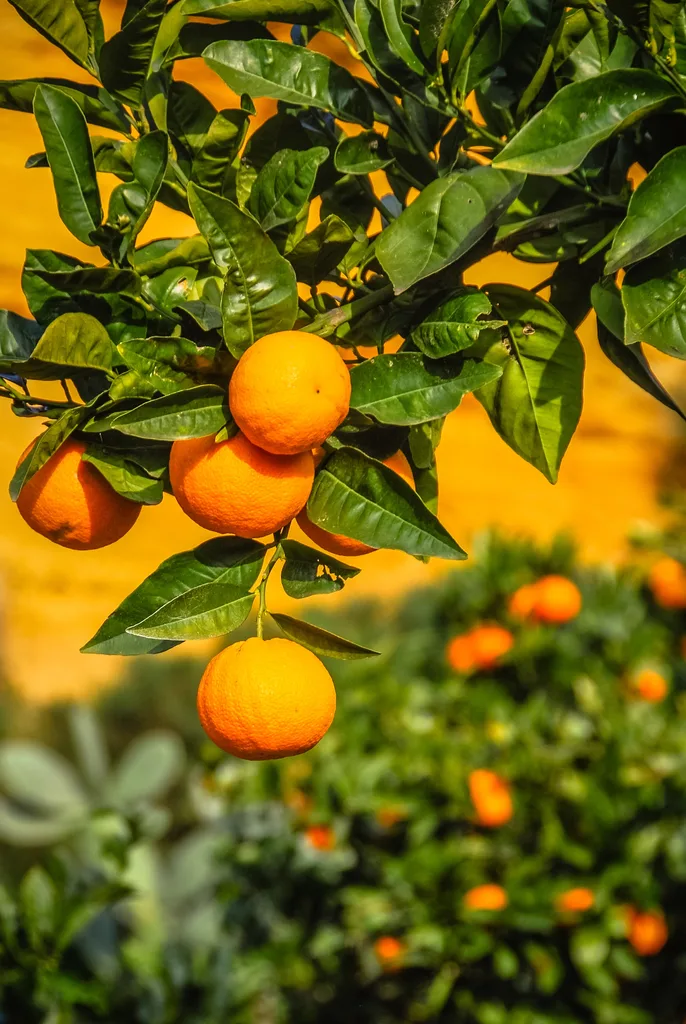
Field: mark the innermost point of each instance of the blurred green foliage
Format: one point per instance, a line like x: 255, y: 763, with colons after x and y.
x: 173, y: 884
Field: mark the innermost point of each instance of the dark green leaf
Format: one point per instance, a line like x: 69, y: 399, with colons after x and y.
x: 284, y: 185
x: 193, y: 38
x: 45, y: 447
x: 125, y: 476
x: 213, y: 166
x: 126, y: 57
x: 65, y: 136
x: 656, y: 216
x: 281, y: 71
x: 156, y: 257
x: 301, y: 12
x: 580, y: 116
x: 38, y: 903
x: 607, y: 303
x: 96, y: 106
x: 362, y: 154
x: 634, y: 365
x: 196, y: 412
x: 132, y: 202
x: 18, y: 338
x: 400, y: 35
x: 433, y: 17
x: 320, y: 251
x: 455, y: 324
x: 93, y: 280
x: 226, y: 560
x: 444, y: 222
x: 260, y: 289
x: 170, y: 364
x: 408, y: 388
x: 654, y: 297
x: 76, y: 339
x: 308, y: 572
x: 363, y: 499
x: 61, y: 23
x: 320, y: 641
x: 536, y: 404
x: 210, y: 610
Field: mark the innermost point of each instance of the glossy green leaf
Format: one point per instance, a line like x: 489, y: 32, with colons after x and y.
x: 634, y: 365
x: 362, y: 154
x: 156, y: 257
x: 321, y: 250
x: 213, y: 165
x: 407, y: 388
x: 320, y: 641
x: 308, y: 572
x: 18, y: 338
x: 260, y: 290
x: 61, y: 23
x: 195, y: 412
x: 91, y: 280
x: 444, y: 222
x: 195, y: 37
x: 76, y: 339
x: 190, y: 116
x: 65, y: 136
x: 96, y: 106
x: 301, y: 12
x: 656, y: 216
x: 226, y: 560
x: 654, y: 297
x: 455, y: 324
x: 290, y: 73
x: 363, y: 499
x: 434, y: 15
x: 284, y: 185
x: 400, y: 35
x: 607, y: 303
x: 580, y: 116
x: 126, y: 57
x: 45, y: 447
x: 125, y: 476
x: 170, y: 364
x: 536, y: 404
x: 210, y: 610
x: 132, y: 202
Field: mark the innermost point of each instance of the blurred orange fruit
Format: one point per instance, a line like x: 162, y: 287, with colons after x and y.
x: 235, y: 487
x: 486, y: 897
x: 320, y: 837
x: 337, y: 543
x: 647, y: 931
x: 651, y: 686
x: 575, y: 900
x: 523, y: 602
x: 389, y: 952
x: 490, y: 794
x: 557, y: 600
x: 480, y: 648
x: 289, y: 392
x: 263, y: 699
x: 300, y: 803
x: 667, y: 580
x: 70, y: 502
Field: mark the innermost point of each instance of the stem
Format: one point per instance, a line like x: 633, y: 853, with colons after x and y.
x: 329, y: 322
x: 183, y: 178
x: 589, y: 193
x: 65, y: 388
x: 261, y: 588
x: 7, y: 391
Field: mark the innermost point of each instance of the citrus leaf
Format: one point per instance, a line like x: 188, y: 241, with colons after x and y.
x: 301, y: 12
x: 132, y: 202
x: 76, y: 340
x: 195, y: 412
x: 321, y: 250
x: 18, y: 338
x: 407, y: 388
x: 210, y: 610
x: 284, y: 185
x: 213, y: 164
x: 363, y: 499
x: 126, y: 57
x: 399, y: 34
x: 33, y: 775
x: 61, y: 23
x: 634, y: 365
x: 50, y: 441
x: 308, y: 572
x: 580, y: 116
x: 362, y: 154
x: 125, y: 476
x: 228, y: 560
x: 149, y: 767
x: 433, y: 17
x: 455, y: 324
x: 320, y: 641
x: 654, y: 298
x: 96, y: 105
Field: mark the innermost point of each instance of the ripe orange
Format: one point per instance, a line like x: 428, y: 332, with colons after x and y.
x: 320, y: 837
x: 651, y: 686
x: 262, y: 699
x: 557, y: 600
x: 575, y: 900
x: 523, y: 602
x: 480, y: 648
x: 234, y: 487
x: 667, y: 580
x: 336, y: 543
x: 70, y: 502
x: 389, y: 952
x: 289, y: 391
x: 647, y: 931
x: 491, y: 798
x: 486, y: 897
x: 459, y: 653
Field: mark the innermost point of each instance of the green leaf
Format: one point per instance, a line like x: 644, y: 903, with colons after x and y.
x: 300, y: 12
x: 193, y: 38
x: 362, y: 154
x: 38, y: 905
x: 654, y: 297
x: 321, y: 250
x: 455, y: 324
x: 91, y: 280
x: 407, y: 388
x: 536, y: 404
x: 96, y: 106
x: 580, y: 116
x: 67, y: 144
x: 195, y: 412
x: 45, y: 447
x: 434, y: 15
x: 76, y: 340
x: 400, y: 35
x: 260, y: 290
x: 363, y: 499
x: 444, y: 222
x: 125, y: 476
x: 308, y: 572
x: 166, y: 253
x: 190, y: 116
x: 132, y: 202
x: 170, y: 364
x: 61, y: 23
x: 213, y: 165
x: 126, y: 57
x: 634, y: 365
x: 607, y: 303
x: 18, y: 338
x: 227, y: 560
x: 284, y: 185
x: 588, y: 947
x: 33, y: 775
x: 656, y: 216
x: 210, y: 610
x: 320, y: 641
x: 149, y: 767
x: 281, y: 71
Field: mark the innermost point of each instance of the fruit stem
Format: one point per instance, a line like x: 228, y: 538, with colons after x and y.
x: 327, y: 323
x: 264, y: 579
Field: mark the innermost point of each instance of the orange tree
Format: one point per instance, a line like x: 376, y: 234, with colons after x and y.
x: 284, y: 301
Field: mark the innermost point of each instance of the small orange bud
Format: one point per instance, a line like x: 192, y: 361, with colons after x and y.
x: 389, y: 952
x: 647, y: 932
x: 557, y: 600
x: 523, y: 602
x: 486, y: 897
x: 651, y: 686
x: 667, y: 580
x: 575, y: 900
x: 491, y: 798
x: 320, y: 837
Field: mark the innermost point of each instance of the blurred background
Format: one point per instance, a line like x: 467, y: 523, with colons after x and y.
x: 378, y: 878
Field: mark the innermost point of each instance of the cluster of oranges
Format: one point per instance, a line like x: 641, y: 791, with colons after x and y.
x: 667, y: 581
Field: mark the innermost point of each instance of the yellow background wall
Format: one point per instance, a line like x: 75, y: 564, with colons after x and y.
x: 54, y: 599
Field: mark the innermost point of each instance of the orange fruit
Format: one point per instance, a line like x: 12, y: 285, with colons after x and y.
x: 491, y: 797
x: 389, y: 952
x: 480, y: 648
x: 262, y: 699
x: 289, y: 391
x: 234, y: 487
x: 486, y: 897
x: 667, y: 580
x: 575, y: 900
x: 523, y: 602
x: 320, y: 837
x: 647, y: 931
x: 651, y: 686
x: 336, y: 543
x: 557, y: 600
x: 70, y: 502
x: 460, y: 653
